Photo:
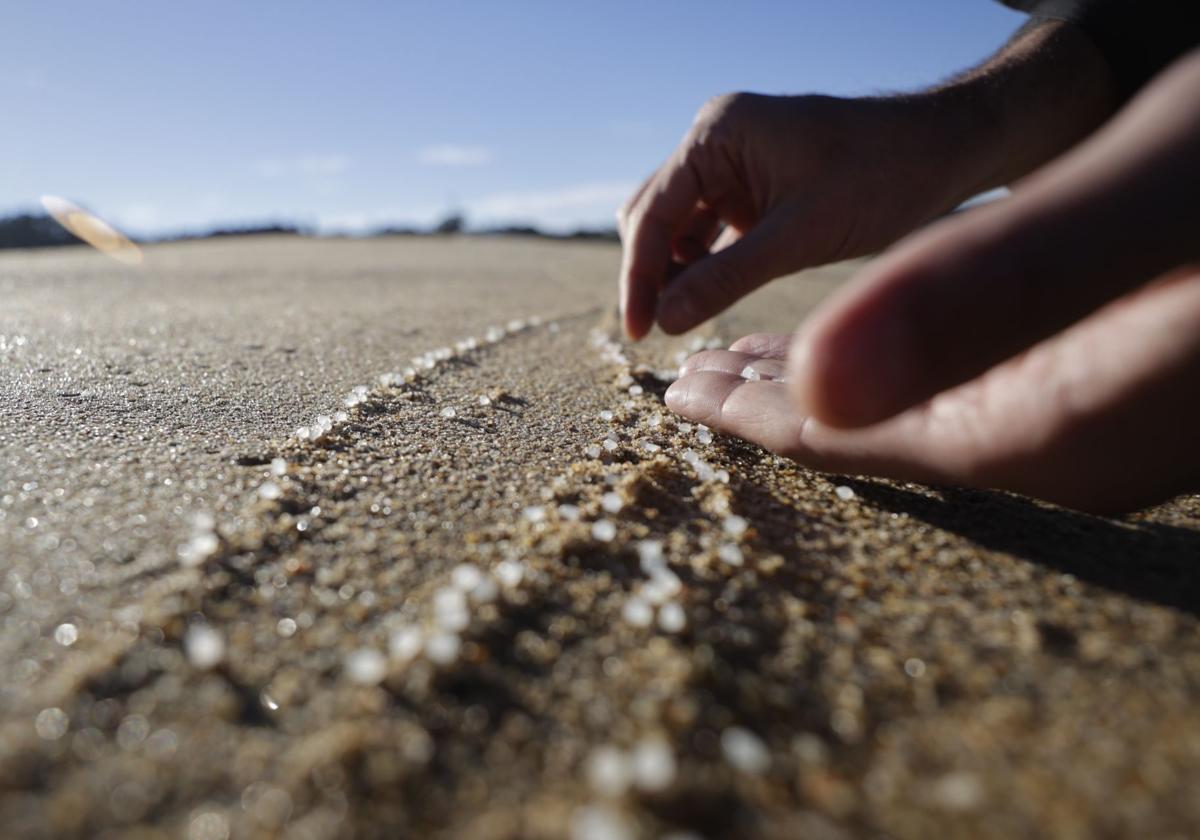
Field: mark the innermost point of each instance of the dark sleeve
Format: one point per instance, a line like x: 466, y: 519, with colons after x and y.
x: 1138, y: 38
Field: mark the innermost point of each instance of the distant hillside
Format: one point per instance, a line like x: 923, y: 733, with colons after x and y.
x: 33, y: 230
x: 37, y: 230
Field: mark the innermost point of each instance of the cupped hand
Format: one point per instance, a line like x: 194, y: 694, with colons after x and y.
x: 762, y: 186
x: 1047, y: 344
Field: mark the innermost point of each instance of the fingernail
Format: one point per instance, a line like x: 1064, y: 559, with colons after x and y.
x: 672, y: 396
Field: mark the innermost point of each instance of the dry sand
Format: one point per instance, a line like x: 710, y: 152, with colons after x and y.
x: 900, y: 661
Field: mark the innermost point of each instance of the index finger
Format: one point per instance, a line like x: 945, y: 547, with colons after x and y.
x: 663, y: 206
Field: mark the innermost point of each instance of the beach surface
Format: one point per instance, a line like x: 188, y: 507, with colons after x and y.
x: 257, y: 579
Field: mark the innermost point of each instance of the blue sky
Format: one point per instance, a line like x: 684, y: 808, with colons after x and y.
x: 349, y: 115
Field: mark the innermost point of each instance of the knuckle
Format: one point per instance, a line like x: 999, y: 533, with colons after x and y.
x: 721, y: 121
x: 723, y: 107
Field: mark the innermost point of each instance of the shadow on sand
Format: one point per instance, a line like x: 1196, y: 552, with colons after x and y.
x: 1145, y: 560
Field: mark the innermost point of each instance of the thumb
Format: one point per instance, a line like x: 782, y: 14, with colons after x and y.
x: 712, y: 284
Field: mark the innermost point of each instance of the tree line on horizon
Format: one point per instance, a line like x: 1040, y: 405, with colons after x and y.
x: 39, y: 230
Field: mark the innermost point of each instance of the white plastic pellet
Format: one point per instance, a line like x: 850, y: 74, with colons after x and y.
x: 204, y: 646
x: 366, y: 666
x: 405, y: 644
x: 603, y: 530
x: 671, y: 617
x: 612, y: 502
x: 443, y: 648
x: 653, y: 765
x: 735, y: 525
x: 637, y: 612
x: 744, y: 750
x: 608, y: 771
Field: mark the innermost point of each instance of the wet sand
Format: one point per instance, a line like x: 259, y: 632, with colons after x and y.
x: 509, y: 595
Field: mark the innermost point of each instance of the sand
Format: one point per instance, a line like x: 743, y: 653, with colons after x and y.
x: 448, y: 616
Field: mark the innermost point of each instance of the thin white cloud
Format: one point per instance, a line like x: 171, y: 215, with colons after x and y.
x: 304, y: 166
x: 599, y: 200
x: 452, y: 155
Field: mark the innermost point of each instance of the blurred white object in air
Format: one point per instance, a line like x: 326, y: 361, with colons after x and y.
x: 94, y: 231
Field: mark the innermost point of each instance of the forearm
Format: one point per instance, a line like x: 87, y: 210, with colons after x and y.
x: 1044, y: 91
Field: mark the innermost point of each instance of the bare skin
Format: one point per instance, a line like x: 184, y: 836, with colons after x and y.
x: 1047, y: 344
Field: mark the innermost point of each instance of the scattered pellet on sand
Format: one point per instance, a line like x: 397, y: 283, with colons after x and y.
x: 484, y: 592
x: 450, y: 609
x: 957, y: 791
x: 653, y: 765
x: 51, y: 724
x: 603, y: 530
x: 199, y: 548
x: 650, y: 553
x: 671, y: 617
x: 612, y: 502
x: 637, y: 612
x: 744, y: 750
x: 406, y: 643
x: 510, y: 573
x: 204, y: 646
x: 442, y: 648
x: 366, y: 666
x: 601, y: 822
x: 608, y: 771
x: 66, y: 634
x: 730, y: 554
x: 466, y: 576
x: 735, y: 525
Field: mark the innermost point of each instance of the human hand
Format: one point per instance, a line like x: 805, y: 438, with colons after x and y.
x: 797, y: 181
x: 1047, y: 344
